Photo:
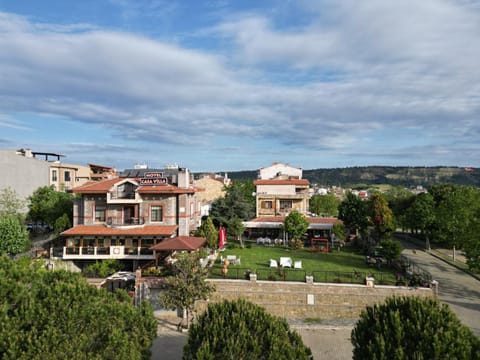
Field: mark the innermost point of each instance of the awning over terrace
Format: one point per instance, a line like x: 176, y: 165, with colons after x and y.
x: 179, y: 243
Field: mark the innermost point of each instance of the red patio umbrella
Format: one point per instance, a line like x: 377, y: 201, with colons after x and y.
x: 222, y: 237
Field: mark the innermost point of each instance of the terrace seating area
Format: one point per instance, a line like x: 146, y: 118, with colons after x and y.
x: 268, y: 241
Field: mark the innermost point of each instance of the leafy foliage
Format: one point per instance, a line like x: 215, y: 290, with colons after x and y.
x: 187, y: 285
x: 295, y: 225
x: 391, y: 249
x: 58, y: 315
x: 324, y: 205
x: 208, y: 231
x: 412, y: 328
x: 47, y: 205
x: 242, y: 330
x: 104, y: 268
x: 236, y: 228
x: 10, y: 204
x: 353, y: 212
x: 381, y: 216
x: 14, y: 238
x: 238, y: 201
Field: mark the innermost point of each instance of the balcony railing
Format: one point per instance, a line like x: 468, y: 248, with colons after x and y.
x: 125, y: 222
x: 105, y: 252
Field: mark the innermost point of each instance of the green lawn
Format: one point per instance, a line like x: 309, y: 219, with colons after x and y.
x: 346, y: 265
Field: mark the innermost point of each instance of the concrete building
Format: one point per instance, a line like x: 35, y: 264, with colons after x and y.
x: 23, y: 172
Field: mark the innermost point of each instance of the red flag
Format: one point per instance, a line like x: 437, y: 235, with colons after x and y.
x: 222, y: 237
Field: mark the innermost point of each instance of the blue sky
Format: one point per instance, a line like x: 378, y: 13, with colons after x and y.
x: 236, y: 85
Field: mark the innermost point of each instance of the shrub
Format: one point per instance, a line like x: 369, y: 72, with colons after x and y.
x: 412, y: 328
x: 242, y: 330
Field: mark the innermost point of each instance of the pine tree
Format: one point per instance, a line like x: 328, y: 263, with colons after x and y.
x: 412, y: 328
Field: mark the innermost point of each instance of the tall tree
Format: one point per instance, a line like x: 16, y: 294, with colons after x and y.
x: 420, y: 216
x: 208, y: 231
x: 14, y: 238
x: 58, y: 315
x: 47, y: 205
x: 236, y: 228
x: 381, y: 216
x: 242, y: 330
x: 10, y: 204
x: 188, y: 285
x: 296, y: 226
x: 324, y: 205
x: 412, y: 328
x: 353, y: 212
x: 399, y: 200
x: 239, y: 201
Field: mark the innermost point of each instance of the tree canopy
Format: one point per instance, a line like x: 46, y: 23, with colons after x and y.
x: 412, y: 328
x: 324, y: 205
x: 58, y: 315
x: 352, y: 211
x: 47, y: 205
x: 186, y: 286
x: 208, y: 231
x: 239, y: 201
x: 242, y: 330
x: 10, y: 204
x: 381, y: 216
x: 296, y: 226
x: 14, y: 237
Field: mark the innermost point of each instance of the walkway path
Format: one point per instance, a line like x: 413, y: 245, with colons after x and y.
x: 456, y: 288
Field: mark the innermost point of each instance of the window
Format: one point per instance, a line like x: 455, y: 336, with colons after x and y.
x: 285, y: 204
x: 267, y: 204
x: 156, y: 213
x: 54, y: 175
x: 67, y: 175
x: 100, y: 211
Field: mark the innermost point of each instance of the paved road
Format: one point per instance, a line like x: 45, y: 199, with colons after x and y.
x: 456, y: 288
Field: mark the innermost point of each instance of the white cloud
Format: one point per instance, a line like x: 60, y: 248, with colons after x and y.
x: 357, y: 68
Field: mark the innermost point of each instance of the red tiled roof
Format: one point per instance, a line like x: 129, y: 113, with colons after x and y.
x: 96, y: 187
x: 104, y: 186
x: 282, y: 182
x: 101, y: 230
x: 189, y: 243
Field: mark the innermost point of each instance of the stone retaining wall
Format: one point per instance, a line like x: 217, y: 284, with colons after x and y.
x: 301, y: 300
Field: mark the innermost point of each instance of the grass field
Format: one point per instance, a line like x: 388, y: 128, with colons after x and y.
x: 345, y: 266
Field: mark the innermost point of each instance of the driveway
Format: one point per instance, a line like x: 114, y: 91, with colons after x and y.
x: 456, y: 288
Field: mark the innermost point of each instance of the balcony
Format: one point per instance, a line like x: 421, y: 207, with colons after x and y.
x: 125, y: 223
x: 108, y: 252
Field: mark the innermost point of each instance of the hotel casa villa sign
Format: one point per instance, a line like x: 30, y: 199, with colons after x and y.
x: 153, y: 178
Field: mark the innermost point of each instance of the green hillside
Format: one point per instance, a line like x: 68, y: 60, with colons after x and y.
x: 405, y: 176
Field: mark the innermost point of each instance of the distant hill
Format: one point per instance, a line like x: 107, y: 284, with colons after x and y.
x: 391, y: 175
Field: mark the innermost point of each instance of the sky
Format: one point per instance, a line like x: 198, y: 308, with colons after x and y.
x: 237, y: 85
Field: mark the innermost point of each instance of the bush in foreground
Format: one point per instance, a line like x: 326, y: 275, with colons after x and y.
x: 58, y: 315
x: 412, y: 328
x: 242, y: 330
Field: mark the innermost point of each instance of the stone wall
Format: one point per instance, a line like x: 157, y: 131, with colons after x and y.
x: 315, y: 301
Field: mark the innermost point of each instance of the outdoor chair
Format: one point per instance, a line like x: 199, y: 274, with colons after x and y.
x: 297, y: 264
x: 273, y: 263
x: 285, y: 262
